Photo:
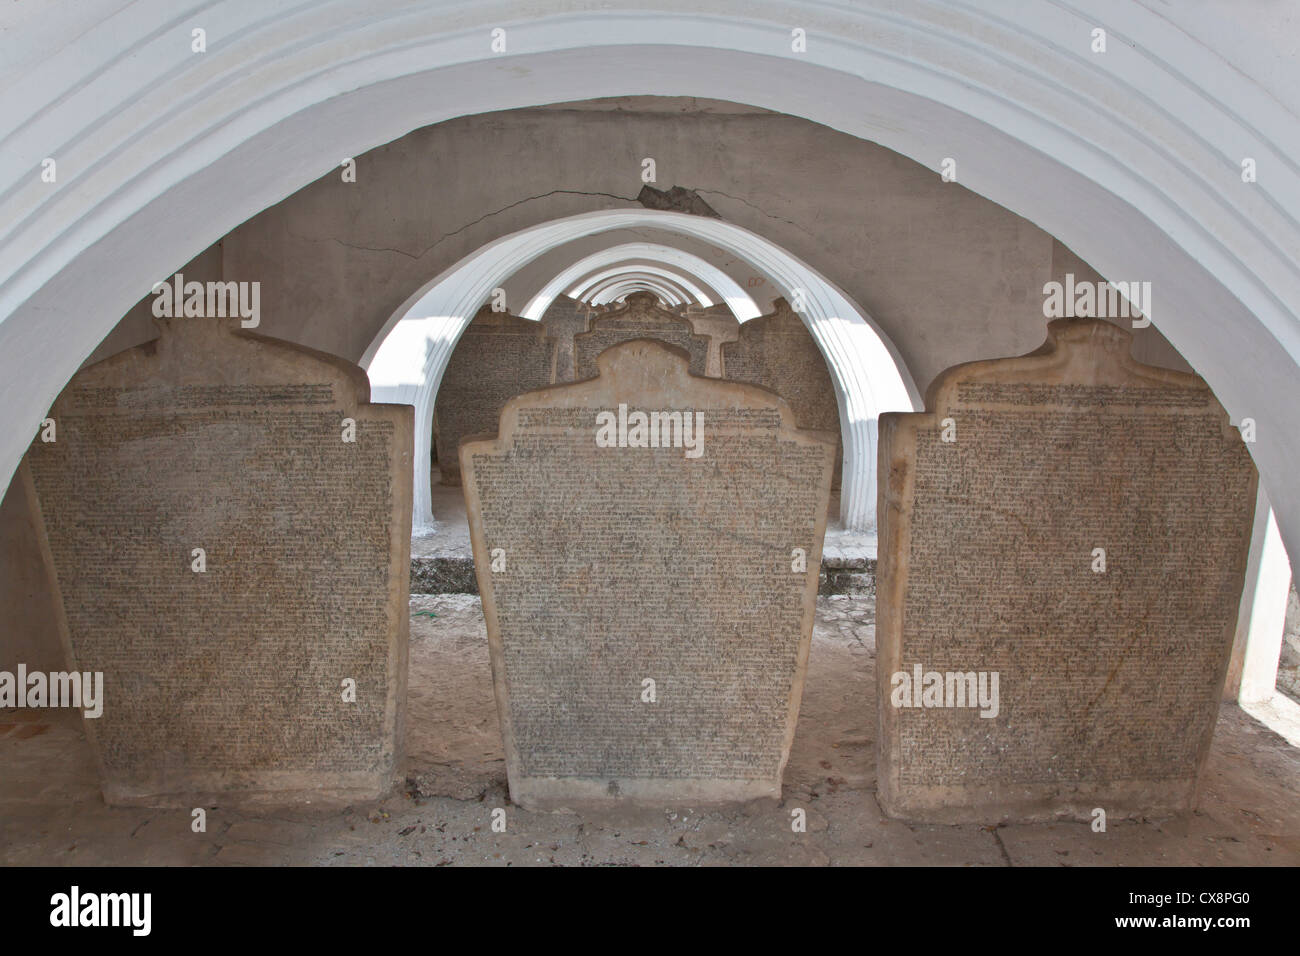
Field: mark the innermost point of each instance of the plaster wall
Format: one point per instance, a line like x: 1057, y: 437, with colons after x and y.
x: 949, y: 276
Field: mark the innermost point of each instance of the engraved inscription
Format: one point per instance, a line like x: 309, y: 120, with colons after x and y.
x: 639, y: 318
x: 229, y: 679
x: 498, y: 357
x: 1082, y: 533
x: 778, y: 352
x: 635, y: 563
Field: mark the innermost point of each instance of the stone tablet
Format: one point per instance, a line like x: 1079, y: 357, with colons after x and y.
x: 1063, y: 543
x: 640, y: 317
x: 778, y: 352
x: 497, y: 357
x: 229, y: 674
x: 563, y: 319
x: 649, y: 609
x: 720, y: 325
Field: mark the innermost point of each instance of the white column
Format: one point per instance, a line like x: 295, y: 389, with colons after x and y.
x: 1263, y: 607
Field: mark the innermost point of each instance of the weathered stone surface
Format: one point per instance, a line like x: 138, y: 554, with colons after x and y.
x: 719, y: 323
x: 778, y: 352
x: 640, y: 317
x: 563, y: 319
x: 498, y: 356
x: 618, y: 565
x: 1108, y: 683
x: 1288, y: 665
x: 677, y: 199
x: 230, y: 682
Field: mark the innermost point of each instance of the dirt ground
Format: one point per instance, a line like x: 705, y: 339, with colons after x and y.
x: 51, y: 811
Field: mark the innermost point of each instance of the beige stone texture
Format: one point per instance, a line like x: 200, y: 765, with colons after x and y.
x: 227, y: 684
x: 778, y: 352
x: 719, y: 323
x: 621, y: 565
x: 1108, y: 682
x: 498, y: 356
x: 563, y: 319
x: 640, y: 317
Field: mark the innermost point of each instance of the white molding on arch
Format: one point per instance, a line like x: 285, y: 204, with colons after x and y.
x: 586, y: 289
x: 616, y: 283
x: 1132, y: 157
x: 685, y: 263
x: 869, y: 376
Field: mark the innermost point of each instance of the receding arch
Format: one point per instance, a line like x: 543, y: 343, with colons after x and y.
x: 870, y: 377
x: 616, y: 283
x: 681, y: 263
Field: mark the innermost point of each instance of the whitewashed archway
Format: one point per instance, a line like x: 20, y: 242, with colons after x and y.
x: 1133, y: 157
x: 616, y: 283
x: 869, y: 376
x: 680, y: 262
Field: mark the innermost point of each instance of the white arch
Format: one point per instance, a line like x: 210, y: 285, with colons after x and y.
x: 617, y: 283
x: 610, y: 293
x: 727, y: 288
x: 587, y: 287
x: 869, y: 376
x: 1132, y: 158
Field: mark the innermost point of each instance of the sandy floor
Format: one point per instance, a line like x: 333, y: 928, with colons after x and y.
x: 51, y: 810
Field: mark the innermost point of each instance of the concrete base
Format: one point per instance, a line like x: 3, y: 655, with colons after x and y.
x: 269, y: 789
x: 585, y: 793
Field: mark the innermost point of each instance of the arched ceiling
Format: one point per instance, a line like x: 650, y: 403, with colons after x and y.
x: 533, y: 276
x: 1131, y: 157
x: 407, y: 358
x: 684, y: 288
x: 709, y: 284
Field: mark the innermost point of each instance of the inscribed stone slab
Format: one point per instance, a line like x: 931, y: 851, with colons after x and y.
x: 229, y: 682
x: 778, y: 352
x: 618, y: 565
x: 640, y: 317
x: 720, y: 325
x: 563, y: 319
x: 1108, y: 680
x: 498, y: 356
